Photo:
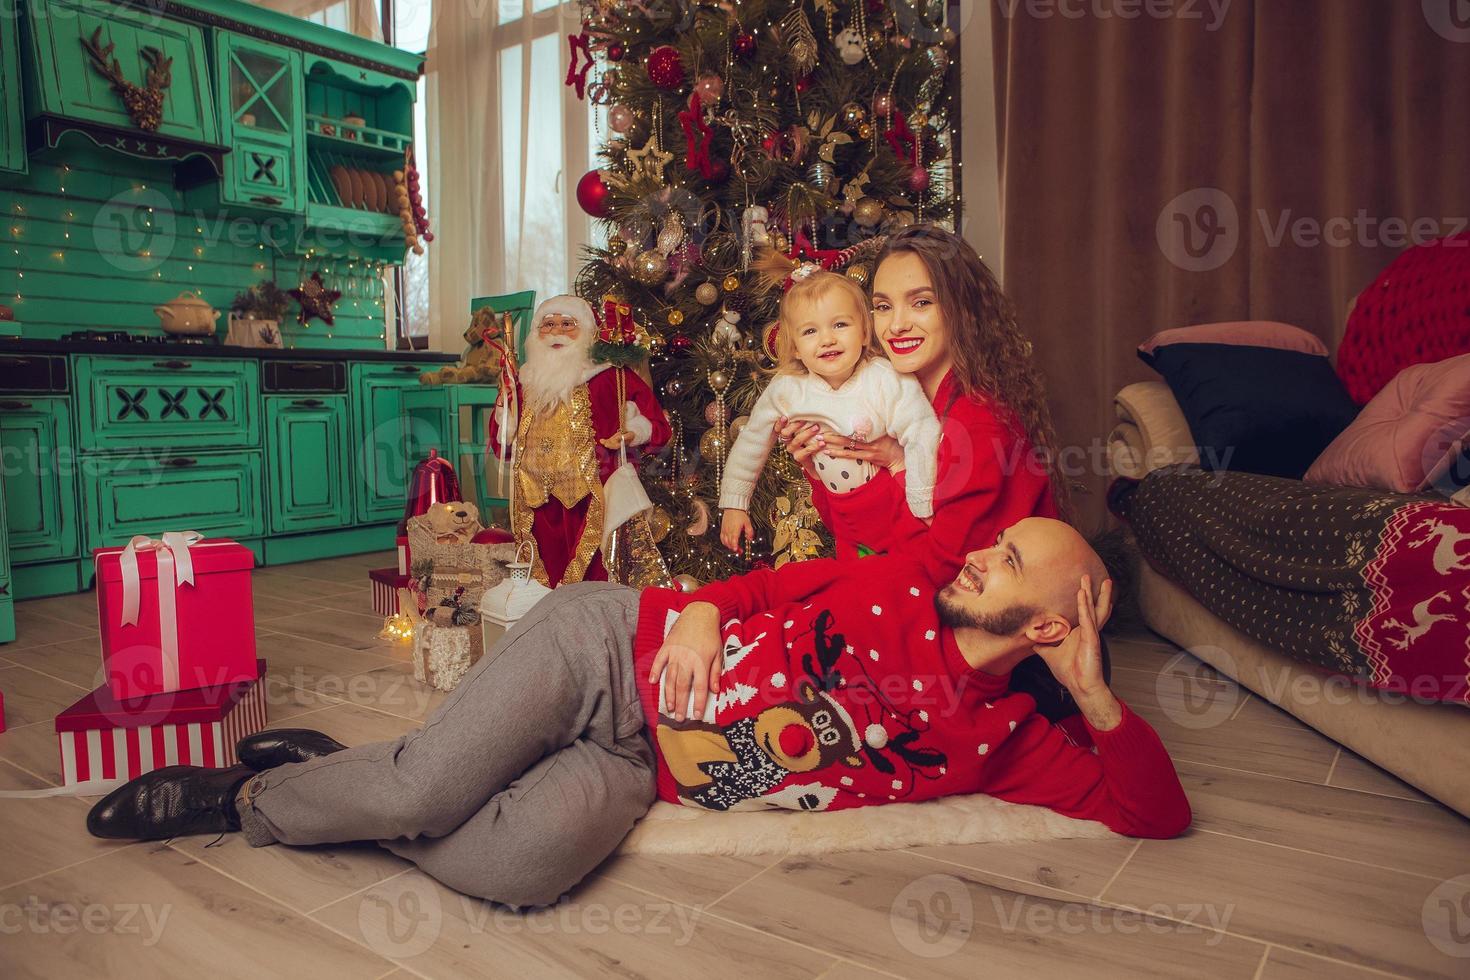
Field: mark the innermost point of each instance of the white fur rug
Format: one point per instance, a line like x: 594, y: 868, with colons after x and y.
x: 671, y: 829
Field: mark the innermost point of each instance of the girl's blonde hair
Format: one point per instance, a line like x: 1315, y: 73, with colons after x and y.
x: 811, y: 289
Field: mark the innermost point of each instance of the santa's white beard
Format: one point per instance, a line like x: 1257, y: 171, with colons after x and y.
x: 550, y: 373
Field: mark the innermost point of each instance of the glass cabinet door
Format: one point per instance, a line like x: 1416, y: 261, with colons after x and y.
x: 262, y: 90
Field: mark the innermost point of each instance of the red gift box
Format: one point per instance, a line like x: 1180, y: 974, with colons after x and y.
x: 102, y: 737
x: 193, y: 626
x: 386, y: 583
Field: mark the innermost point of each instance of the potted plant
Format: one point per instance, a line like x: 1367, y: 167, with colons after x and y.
x: 256, y: 314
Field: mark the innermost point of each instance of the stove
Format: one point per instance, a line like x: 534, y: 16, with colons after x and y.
x: 124, y: 337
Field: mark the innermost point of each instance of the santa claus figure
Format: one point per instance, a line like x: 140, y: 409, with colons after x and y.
x: 574, y: 425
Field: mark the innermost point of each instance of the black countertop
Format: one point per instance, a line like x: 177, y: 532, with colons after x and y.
x: 22, y: 345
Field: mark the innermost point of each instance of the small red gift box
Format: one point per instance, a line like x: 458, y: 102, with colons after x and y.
x: 102, y: 737
x: 175, y: 614
x: 386, y: 583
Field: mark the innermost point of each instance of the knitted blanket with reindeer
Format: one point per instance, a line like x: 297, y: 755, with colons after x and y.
x: 1367, y: 584
x: 841, y: 688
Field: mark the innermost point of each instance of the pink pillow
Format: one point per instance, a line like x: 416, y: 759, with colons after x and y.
x: 1241, y: 333
x: 1407, y: 436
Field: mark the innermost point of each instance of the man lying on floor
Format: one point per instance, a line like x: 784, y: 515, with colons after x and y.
x: 820, y: 686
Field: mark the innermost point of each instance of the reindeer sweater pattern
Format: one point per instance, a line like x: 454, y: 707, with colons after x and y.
x: 840, y: 688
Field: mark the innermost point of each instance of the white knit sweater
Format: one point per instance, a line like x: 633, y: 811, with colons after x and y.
x: 874, y: 401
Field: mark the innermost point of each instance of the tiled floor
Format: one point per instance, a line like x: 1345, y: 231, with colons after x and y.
x: 1303, y: 861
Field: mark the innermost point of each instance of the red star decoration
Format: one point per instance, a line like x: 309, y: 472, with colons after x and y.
x: 577, y: 75
x: 316, y: 300
x: 697, y: 136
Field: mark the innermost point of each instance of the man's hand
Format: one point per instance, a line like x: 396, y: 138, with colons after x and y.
x: 691, y: 659
x: 617, y: 440
x: 1076, y: 662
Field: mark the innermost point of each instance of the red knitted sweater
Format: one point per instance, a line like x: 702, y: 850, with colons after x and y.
x: 841, y: 688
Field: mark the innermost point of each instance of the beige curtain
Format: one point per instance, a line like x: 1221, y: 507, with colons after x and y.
x: 506, y: 145
x: 360, y: 17
x: 1164, y: 171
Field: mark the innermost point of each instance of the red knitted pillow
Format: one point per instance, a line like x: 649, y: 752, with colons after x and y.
x: 1416, y: 312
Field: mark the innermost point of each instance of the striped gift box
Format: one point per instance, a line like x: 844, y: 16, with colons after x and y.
x: 101, y: 737
x: 386, y: 583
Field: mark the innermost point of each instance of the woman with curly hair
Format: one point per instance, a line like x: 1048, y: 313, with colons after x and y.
x: 941, y: 317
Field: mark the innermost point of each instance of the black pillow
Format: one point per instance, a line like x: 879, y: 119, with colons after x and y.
x: 1255, y: 409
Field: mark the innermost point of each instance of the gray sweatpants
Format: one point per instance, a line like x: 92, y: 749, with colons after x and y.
x: 528, y: 776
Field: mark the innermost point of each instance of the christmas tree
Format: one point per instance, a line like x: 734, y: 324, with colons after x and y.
x: 745, y: 136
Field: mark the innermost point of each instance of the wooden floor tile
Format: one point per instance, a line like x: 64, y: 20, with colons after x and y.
x: 668, y: 876
x: 150, y: 910
x: 1288, y: 964
x: 34, y: 749
x: 603, y: 928
x: 1378, y: 829
x: 41, y: 835
x: 1304, y: 901
x: 1060, y: 868
x: 276, y: 585
x: 78, y: 662
x: 352, y: 630
x: 891, y: 912
x: 34, y: 697
x: 313, y: 665
x: 1354, y: 772
x: 33, y: 629
x: 350, y: 724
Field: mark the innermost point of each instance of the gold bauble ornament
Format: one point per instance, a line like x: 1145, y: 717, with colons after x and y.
x: 853, y: 115
x: 918, y: 120
x: 713, y: 444
x: 719, y: 380
x: 686, y: 583
x: 650, y: 267
x: 656, y: 344
x: 875, y: 38
x: 780, y: 242
x: 864, y: 130
x: 731, y: 283
x: 676, y: 317
x: 616, y: 246
x: 659, y: 522
x: 737, y: 427
x: 707, y: 293
x: 868, y: 212
x: 858, y: 274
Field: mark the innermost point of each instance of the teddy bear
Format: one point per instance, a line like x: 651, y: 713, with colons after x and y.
x: 456, y: 522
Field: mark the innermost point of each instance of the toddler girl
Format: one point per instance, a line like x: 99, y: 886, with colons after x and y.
x: 831, y: 373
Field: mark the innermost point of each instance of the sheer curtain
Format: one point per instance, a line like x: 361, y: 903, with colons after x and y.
x: 506, y: 142
x: 361, y: 17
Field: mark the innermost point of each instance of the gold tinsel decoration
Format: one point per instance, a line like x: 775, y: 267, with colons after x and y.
x: 801, y: 43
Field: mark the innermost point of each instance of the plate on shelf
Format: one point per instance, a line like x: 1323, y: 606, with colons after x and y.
x: 342, y: 183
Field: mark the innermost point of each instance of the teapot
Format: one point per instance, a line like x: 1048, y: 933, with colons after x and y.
x: 187, y: 314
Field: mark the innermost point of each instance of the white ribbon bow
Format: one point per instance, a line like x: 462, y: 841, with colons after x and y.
x: 175, y: 568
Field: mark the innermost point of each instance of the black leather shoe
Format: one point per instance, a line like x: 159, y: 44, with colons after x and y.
x: 171, y: 802
x: 266, y: 750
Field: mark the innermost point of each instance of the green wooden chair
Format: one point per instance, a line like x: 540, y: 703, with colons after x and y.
x: 472, y: 405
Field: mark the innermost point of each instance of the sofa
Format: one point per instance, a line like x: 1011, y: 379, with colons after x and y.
x: 1425, y: 744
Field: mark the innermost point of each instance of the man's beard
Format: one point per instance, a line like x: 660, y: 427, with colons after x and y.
x: 550, y: 373
x: 1005, y: 622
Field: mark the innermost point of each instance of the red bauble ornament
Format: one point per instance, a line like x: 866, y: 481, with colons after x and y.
x: 615, y: 51
x: 744, y: 44
x: 919, y: 179
x: 666, y: 68
x: 592, y: 194
x: 680, y: 343
x: 803, y: 84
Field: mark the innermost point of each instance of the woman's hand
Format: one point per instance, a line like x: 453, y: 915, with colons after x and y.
x: 733, y: 526
x: 690, y: 660
x: 884, y: 451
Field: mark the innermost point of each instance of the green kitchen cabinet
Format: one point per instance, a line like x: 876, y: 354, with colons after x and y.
x: 216, y: 494
x: 395, y: 421
x: 40, y: 478
x: 261, y: 101
x: 140, y: 403
x: 306, y: 443
x: 63, y: 83
x: 7, y: 597
x: 12, y: 103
